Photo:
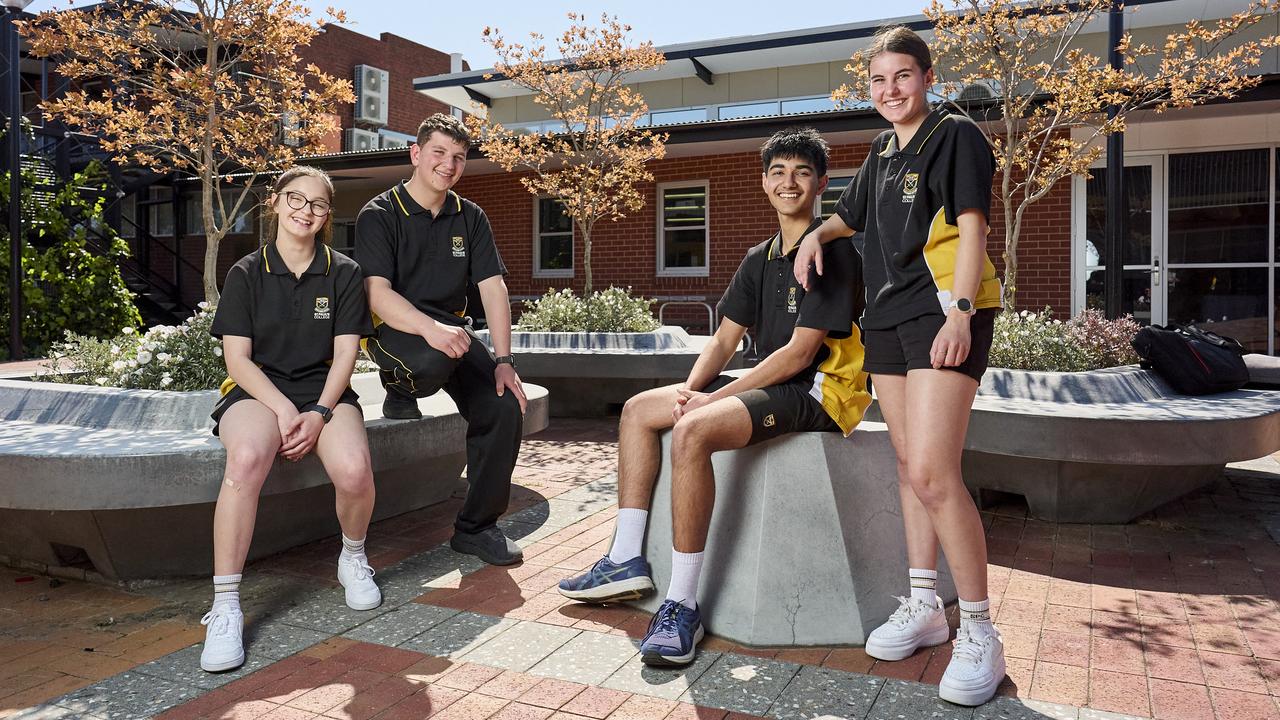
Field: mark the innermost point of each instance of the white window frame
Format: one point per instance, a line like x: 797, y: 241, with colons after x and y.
x: 662, y: 270
x: 538, y: 271
x: 832, y: 175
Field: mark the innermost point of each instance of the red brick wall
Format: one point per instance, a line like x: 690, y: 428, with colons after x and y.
x: 624, y: 253
x: 338, y: 50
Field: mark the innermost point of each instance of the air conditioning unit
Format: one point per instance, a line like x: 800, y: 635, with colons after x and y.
x: 393, y: 139
x: 358, y: 140
x: 977, y: 90
x: 290, y: 129
x: 371, y: 95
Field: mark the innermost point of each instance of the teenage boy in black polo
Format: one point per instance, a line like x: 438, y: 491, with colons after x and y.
x: 809, y: 379
x: 421, y: 247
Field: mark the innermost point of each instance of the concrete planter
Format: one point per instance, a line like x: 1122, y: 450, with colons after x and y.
x: 593, y: 374
x: 1109, y: 445
x: 128, y: 478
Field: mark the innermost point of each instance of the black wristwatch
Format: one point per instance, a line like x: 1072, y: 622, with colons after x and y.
x: 324, y: 412
x: 506, y: 360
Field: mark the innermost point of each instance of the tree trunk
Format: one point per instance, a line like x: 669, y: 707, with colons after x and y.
x: 212, y: 240
x: 1010, y: 259
x: 586, y: 260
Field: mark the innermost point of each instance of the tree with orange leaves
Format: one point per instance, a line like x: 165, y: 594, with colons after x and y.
x: 596, y: 161
x: 211, y: 88
x: 1053, y: 97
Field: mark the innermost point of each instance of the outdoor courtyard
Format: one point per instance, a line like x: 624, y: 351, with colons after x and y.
x: 1172, y: 616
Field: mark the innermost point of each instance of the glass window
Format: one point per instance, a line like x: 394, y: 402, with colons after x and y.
x: 683, y: 229
x: 160, y: 212
x: 672, y: 117
x: 808, y: 105
x: 129, y: 216
x: 193, y: 213
x: 1135, y: 283
x: 835, y: 187
x: 1228, y: 301
x: 759, y: 109
x: 1218, y: 207
x: 553, y: 241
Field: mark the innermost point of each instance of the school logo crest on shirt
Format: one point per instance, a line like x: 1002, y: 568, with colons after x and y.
x: 910, y: 184
x: 322, y: 308
x: 791, y: 301
x: 459, y: 246
x: 769, y: 420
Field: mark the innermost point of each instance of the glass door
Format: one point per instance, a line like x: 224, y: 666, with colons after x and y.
x: 1142, y: 281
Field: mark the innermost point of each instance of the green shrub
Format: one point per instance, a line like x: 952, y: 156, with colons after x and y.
x: 166, y: 357
x: 611, y: 310
x: 68, y: 286
x: 1038, y: 341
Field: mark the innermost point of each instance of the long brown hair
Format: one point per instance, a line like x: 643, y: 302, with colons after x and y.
x: 271, y: 222
x: 902, y: 40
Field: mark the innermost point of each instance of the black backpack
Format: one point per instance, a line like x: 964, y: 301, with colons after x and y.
x: 1193, y: 361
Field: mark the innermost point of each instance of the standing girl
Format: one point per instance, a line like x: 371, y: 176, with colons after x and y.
x: 291, y: 317
x: 921, y: 201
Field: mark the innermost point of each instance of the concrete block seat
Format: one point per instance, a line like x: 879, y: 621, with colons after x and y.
x: 806, y: 544
x: 1110, y: 445
x: 128, y: 478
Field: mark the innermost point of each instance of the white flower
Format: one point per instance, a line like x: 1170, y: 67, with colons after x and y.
x: 203, y: 304
x: 144, y: 357
x: 115, y: 349
x: 163, y: 357
x: 166, y: 381
x: 127, y: 330
x: 133, y: 363
x: 119, y: 365
x: 217, y: 351
x: 101, y: 381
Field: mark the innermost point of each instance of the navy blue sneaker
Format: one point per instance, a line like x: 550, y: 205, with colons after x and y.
x: 673, y: 637
x: 608, y: 581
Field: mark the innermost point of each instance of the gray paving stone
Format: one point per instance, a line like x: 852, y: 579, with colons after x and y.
x: 667, y: 683
x: 741, y: 683
x: 458, y: 635
x: 589, y: 658
x: 521, y: 646
x: 401, y: 624
x: 183, y: 668
x: 326, y: 611
x: 127, y: 696
x: 557, y: 512
x: 602, y: 491
x: 277, y: 639
x: 525, y: 533
x: 827, y: 693
x: 1007, y: 708
x: 901, y: 700
x: 52, y: 712
x: 1091, y: 714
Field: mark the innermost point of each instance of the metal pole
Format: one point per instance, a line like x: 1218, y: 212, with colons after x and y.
x: 13, y: 91
x: 1117, y: 201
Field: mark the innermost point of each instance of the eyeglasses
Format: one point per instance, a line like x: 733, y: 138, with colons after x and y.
x: 297, y: 201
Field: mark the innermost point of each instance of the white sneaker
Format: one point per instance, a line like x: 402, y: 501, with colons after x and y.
x: 223, y: 646
x: 976, y: 669
x: 357, y: 578
x: 913, y: 625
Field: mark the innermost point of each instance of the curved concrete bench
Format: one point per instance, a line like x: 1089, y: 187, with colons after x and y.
x: 593, y: 374
x: 128, y: 477
x: 806, y: 544
x: 1110, y: 445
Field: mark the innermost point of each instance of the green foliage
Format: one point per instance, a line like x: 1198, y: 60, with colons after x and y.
x: 167, y: 357
x: 1038, y: 341
x: 611, y: 310
x: 68, y: 284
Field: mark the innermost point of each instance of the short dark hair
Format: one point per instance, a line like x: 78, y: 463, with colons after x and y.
x: 446, y: 125
x: 902, y: 40
x: 796, y: 142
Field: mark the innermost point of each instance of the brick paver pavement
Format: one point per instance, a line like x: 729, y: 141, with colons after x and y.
x: 1173, y: 616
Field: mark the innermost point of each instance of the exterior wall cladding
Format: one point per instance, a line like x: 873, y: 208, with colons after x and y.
x: 624, y: 253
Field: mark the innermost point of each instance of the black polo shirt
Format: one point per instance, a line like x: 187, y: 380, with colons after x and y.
x: 429, y: 259
x: 292, y: 321
x: 906, y: 201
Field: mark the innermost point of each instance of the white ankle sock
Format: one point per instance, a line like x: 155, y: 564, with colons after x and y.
x: 975, y: 616
x: 628, y: 539
x: 352, y: 547
x: 924, y: 585
x: 686, y: 570
x: 226, y: 590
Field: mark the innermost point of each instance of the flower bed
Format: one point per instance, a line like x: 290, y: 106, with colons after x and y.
x: 1038, y: 341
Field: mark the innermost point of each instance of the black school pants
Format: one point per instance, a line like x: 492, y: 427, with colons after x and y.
x: 411, y: 367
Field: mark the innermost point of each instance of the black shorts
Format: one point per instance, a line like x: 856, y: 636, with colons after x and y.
x: 237, y: 393
x: 907, y: 345
x: 780, y: 409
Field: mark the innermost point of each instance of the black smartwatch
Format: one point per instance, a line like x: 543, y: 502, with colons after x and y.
x: 324, y: 412
x: 506, y: 360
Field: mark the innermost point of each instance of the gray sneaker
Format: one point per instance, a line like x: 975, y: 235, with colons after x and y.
x: 490, y: 545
